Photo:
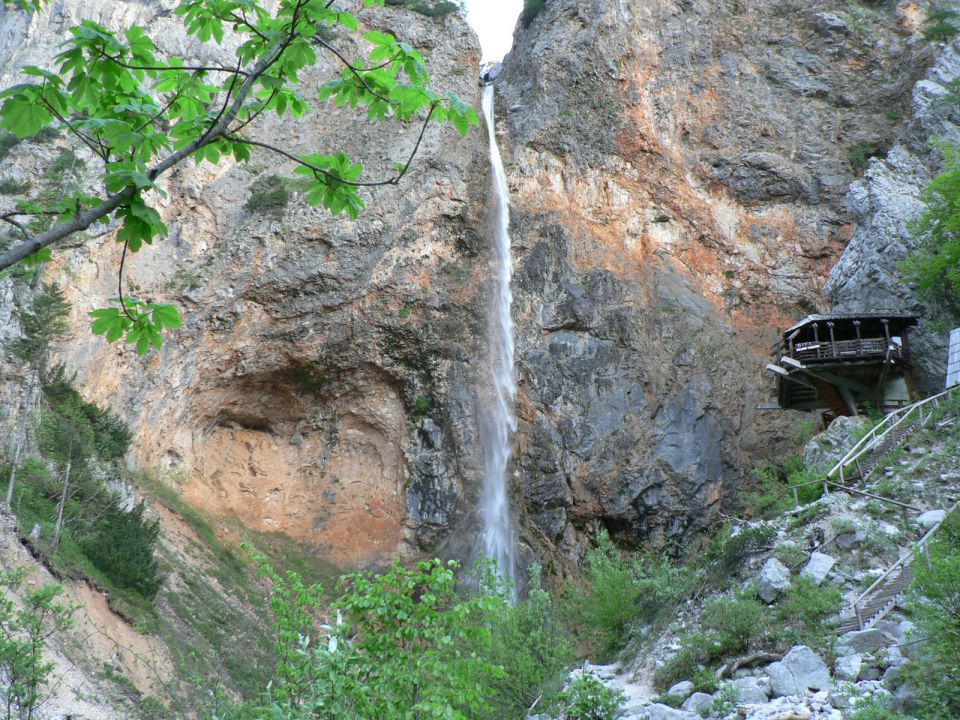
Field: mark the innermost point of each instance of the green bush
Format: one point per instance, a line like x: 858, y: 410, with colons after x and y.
x: 768, y: 496
x: 620, y: 592
x: 935, y: 266
x: 122, y: 546
x: 586, y: 698
x: 935, y: 603
x: 529, y: 643
x: 726, y: 551
x: 735, y: 625
x: 111, y: 436
x: 24, y: 630
x: 269, y: 195
x: 861, y: 152
x: 802, y: 477
x: 8, y: 141
x: 12, y: 187
x: 404, y: 646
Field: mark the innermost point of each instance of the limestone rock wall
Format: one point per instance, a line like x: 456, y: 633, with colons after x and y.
x: 321, y: 385
x: 678, y: 172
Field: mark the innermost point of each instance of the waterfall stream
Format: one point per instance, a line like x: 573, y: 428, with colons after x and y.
x: 498, y: 537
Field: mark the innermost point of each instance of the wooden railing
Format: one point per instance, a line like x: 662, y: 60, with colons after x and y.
x: 842, y: 350
x: 921, y: 545
x: 881, y: 430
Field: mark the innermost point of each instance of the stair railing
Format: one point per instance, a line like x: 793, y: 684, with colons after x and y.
x: 903, y: 562
x: 881, y: 430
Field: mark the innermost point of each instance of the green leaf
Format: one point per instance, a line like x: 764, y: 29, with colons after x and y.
x: 43, y: 255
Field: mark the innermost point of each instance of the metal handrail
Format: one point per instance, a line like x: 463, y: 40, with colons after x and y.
x: 871, y: 439
x: 904, y: 560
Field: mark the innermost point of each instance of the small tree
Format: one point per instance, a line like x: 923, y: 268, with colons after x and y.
x: 24, y: 633
x: 935, y: 266
x: 406, y: 645
x: 935, y: 601
x: 67, y: 438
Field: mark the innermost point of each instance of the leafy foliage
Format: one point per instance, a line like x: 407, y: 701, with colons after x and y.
x: 405, y: 645
x: 430, y: 8
x: 935, y: 602
x: 44, y: 322
x: 531, y: 8
x: 530, y: 650
x: 586, y: 698
x: 621, y: 592
x: 23, y: 636
x: 141, y: 111
x: 269, y: 195
x: 935, y: 265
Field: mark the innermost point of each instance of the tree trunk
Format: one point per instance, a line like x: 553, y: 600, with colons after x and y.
x: 13, y: 471
x: 58, y: 530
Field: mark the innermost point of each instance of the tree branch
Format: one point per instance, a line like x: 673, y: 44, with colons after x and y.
x: 86, y: 218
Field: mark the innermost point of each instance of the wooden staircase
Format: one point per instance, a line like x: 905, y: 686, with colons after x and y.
x: 884, y: 598
x: 877, y: 452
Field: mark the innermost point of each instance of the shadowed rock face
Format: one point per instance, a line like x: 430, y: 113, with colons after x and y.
x: 678, y: 173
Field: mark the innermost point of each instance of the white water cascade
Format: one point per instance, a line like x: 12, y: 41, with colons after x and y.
x: 498, y: 540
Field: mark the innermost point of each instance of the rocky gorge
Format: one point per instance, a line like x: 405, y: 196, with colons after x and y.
x: 686, y: 178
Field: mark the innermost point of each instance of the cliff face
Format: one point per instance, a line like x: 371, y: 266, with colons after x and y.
x: 678, y: 173
x: 322, y: 384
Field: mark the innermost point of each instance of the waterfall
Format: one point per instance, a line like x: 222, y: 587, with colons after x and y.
x: 497, y: 536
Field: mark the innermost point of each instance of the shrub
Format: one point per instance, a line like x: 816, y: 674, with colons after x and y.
x: 25, y: 630
x: 531, y: 8
x: 726, y: 551
x: 802, y: 477
x: 122, y: 546
x: 8, y: 141
x: 404, y: 646
x: 529, y: 643
x: 66, y: 162
x: 769, y: 496
x: 12, y: 187
x: 790, y: 554
x: 622, y: 591
x: 800, y: 616
x: 861, y: 152
x: 734, y: 625
x: 269, y: 195
x: 586, y: 698
x: 935, y: 602
x: 935, y: 266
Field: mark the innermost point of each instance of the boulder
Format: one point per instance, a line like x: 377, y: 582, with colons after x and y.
x: 848, y: 667
x: 774, y: 579
x: 817, y: 568
x: 681, y: 690
x: 698, y: 703
x: 861, y: 641
x: 930, y: 518
x: 827, y: 24
x: 825, y: 449
x: 800, y: 670
x: 663, y: 712
x: 752, y: 691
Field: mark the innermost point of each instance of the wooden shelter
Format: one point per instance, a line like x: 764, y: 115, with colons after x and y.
x: 846, y: 364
